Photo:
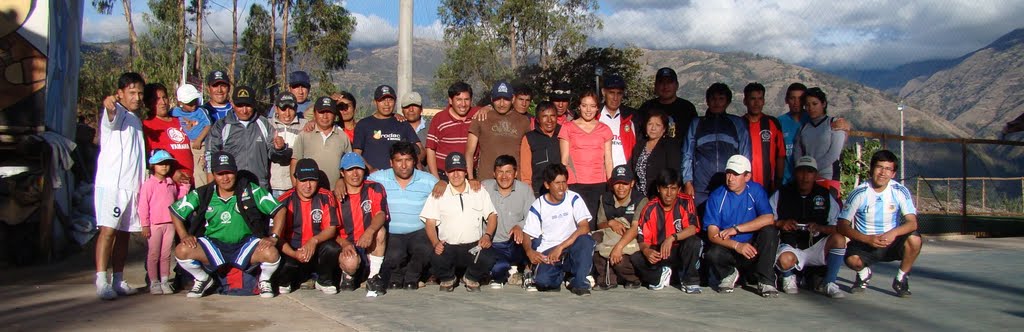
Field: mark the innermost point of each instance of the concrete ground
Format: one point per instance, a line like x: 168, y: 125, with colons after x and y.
x: 958, y: 284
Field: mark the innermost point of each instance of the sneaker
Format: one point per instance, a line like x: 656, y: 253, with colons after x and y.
x: 860, y: 285
x: 767, y: 290
x: 395, y: 285
x: 447, y: 285
x: 531, y: 287
x: 199, y: 288
x: 412, y: 285
x: 590, y: 281
x: 375, y: 287
x: 902, y: 287
x: 471, y: 285
x: 580, y: 291
x: 124, y: 289
x: 789, y: 284
x: 155, y: 289
x: 632, y: 285
x: 727, y: 283
x: 666, y: 276
x: 327, y: 288
x: 106, y: 292
x: 166, y: 288
x: 692, y: 289
x: 515, y: 279
x: 266, y: 289
x: 833, y: 291
x: 496, y: 285
x: 348, y: 283
x: 284, y: 289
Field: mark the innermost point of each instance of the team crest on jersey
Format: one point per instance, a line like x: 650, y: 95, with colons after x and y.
x: 317, y: 215
x: 819, y: 202
x: 627, y: 128
x: 766, y: 135
x: 891, y: 208
x: 176, y: 135
x: 365, y: 205
x: 679, y: 224
x: 630, y: 209
x: 225, y: 217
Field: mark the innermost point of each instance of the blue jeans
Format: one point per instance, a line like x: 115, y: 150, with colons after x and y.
x: 578, y: 259
x: 507, y: 254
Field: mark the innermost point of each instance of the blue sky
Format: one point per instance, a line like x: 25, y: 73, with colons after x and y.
x: 822, y: 34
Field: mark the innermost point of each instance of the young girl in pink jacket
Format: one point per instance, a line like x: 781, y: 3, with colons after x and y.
x: 155, y: 199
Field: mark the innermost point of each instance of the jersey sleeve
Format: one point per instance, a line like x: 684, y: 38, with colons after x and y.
x: 185, y: 206
x: 833, y: 210
x: 761, y: 205
x: 264, y: 200
x: 853, y: 203
x: 905, y: 201
x: 774, y: 202
x: 431, y: 210
x: 579, y: 209
x: 333, y: 210
x: 532, y: 226
x: 712, y: 215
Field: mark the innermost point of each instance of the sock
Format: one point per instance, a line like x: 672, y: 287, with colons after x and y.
x: 900, y: 274
x: 267, y: 269
x: 375, y: 263
x: 101, y: 279
x: 788, y: 272
x: 118, y: 278
x: 864, y: 273
x: 513, y: 270
x: 165, y: 279
x: 834, y: 261
x: 193, y: 267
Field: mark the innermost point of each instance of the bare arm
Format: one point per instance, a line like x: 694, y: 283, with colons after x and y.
x: 608, y: 162
x: 471, y: 142
x: 525, y: 163
x: 564, y: 147
x: 432, y: 162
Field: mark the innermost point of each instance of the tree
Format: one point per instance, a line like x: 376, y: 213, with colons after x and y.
x: 234, y: 38
x: 258, y: 63
x: 163, y: 63
x: 106, y: 7
x: 853, y: 169
x: 285, y: 5
x: 579, y: 72
x: 324, y: 30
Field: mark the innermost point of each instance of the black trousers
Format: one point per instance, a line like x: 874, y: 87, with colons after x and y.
x: 684, y: 262
x: 457, y: 256
x: 766, y: 241
x: 324, y: 262
x: 591, y: 194
x: 412, y: 247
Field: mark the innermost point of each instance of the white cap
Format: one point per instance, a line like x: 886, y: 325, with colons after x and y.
x: 187, y: 93
x: 738, y: 163
x: 411, y: 98
x: 807, y: 161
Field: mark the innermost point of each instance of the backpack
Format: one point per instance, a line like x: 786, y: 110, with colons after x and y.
x: 236, y: 282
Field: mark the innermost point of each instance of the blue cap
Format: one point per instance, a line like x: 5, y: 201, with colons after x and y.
x: 160, y: 156
x: 298, y: 78
x: 502, y: 90
x: 352, y: 159
x: 614, y: 81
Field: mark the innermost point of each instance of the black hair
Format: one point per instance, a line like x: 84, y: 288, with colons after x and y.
x: 459, y: 87
x: 665, y: 178
x: 795, y: 87
x: 752, y: 87
x: 128, y: 79
x: 815, y: 92
x: 522, y: 89
x: 403, y: 148
x: 149, y: 93
x: 544, y: 105
x: 505, y: 159
x: 552, y: 171
x: 719, y: 88
x: 350, y: 97
x: 885, y: 155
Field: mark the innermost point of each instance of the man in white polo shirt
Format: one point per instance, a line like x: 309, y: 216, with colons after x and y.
x: 619, y: 118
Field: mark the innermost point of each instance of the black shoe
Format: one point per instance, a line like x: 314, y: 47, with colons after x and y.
x: 549, y: 289
x: 447, y: 286
x: 860, y: 285
x: 580, y: 291
x: 395, y: 285
x: 902, y: 287
x: 412, y: 285
x: 632, y: 285
x: 348, y: 283
x: 376, y: 284
x: 602, y: 287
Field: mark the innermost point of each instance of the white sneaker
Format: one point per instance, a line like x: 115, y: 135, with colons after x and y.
x: 166, y: 288
x: 327, y: 289
x: 284, y: 289
x: 106, y: 292
x: 590, y: 281
x: 728, y: 283
x: 266, y: 289
x: 789, y: 285
x: 371, y: 293
x: 833, y: 291
x: 497, y: 285
x: 124, y: 289
x: 666, y: 277
x: 155, y: 289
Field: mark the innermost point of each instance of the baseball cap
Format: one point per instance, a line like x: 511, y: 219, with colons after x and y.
x: 351, y: 160
x: 223, y: 162
x: 738, y: 163
x: 666, y: 72
x: 383, y: 91
x: 325, y: 103
x: 298, y: 78
x: 188, y: 93
x: 243, y: 96
x: 455, y: 162
x: 412, y: 98
x: 807, y: 161
x: 614, y: 82
x: 306, y: 169
x: 159, y: 156
x: 217, y: 76
x: 562, y: 91
x: 501, y: 90
x: 622, y: 174
x: 286, y: 100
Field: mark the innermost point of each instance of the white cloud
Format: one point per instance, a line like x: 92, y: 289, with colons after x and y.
x: 375, y: 31
x: 109, y: 28
x: 817, y: 33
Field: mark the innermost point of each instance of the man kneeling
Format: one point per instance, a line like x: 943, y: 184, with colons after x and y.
x: 667, y: 232
x: 310, y: 225
x: 229, y: 231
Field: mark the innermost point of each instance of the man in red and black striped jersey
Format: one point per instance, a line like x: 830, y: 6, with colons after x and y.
x: 767, y: 144
x: 364, y: 210
x: 311, y: 221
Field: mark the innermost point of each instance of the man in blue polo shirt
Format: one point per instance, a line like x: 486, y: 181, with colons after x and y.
x: 407, y: 189
x: 739, y: 223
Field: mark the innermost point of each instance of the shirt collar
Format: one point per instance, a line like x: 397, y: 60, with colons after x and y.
x: 604, y: 112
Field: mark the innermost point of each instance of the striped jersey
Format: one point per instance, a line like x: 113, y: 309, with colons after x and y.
x: 448, y: 134
x: 873, y: 212
x: 767, y: 144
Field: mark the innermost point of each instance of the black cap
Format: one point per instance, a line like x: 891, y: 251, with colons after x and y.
x: 286, y: 100
x: 222, y: 161
x: 666, y: 72
x: 383, y: 91
x: 243, y: 96
x: 621, y: 173
x: 306, y: 169
x: 455, y: 161
x: 325, y: 104
x: 614, y: 81
x: 298, y: 78
x: 217, y: 76
x: 562, y: 91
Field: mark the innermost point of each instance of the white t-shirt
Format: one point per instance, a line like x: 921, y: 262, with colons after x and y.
x: 122, y: 159
x: 555, y: 222
x: 873, y: 212
x: 460, y: 217
x: 615, y: 123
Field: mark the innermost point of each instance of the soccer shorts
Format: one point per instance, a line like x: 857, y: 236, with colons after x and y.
x: 117, y: 209
x: 812, y: 256
x: 236, y: 254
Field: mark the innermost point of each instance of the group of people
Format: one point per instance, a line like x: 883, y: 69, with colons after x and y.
x: 597, y: 197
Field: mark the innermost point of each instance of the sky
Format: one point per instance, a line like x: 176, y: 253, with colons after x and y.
x: 869, y: 34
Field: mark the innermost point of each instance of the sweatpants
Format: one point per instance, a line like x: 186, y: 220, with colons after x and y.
x: 324, y: 262
x: 414, y: 247
x: 684, y: 261
x: 457, y: 256
x: 766, y: 241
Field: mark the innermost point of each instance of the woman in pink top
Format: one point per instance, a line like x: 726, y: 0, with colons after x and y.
x: 155, y: 199
x: 586, y: 146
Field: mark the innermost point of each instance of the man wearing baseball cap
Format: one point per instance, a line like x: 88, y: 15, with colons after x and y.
x: 196, y: 126
x: 561, y: 94
x: 501, y: 133
x: 287, y: 125
x: 298, y: 85
x: 680, y: 111
x: 376, y: 133
x: 361, y: 235
x: 806, y: 215
x: 615, y: 216
x: 218, y: 86
x: 740, y: 225
x: 229, y: 229
x: 311, y: 222
x: 325, y: 144
x: 455, y: 230
x: 412, y: 109
x: 619, y: 118
x: 247, y: 134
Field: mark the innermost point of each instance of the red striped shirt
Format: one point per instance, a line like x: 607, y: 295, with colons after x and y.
x: 357, y: 210
x: 766, y: 146
x: 313, y: 215
x: 448, y: 134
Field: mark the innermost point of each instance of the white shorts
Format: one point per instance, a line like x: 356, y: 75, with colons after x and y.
x: 117, y: 209
x: 813, y: 256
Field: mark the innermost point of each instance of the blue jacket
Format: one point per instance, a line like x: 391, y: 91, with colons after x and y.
x: 710, y: 141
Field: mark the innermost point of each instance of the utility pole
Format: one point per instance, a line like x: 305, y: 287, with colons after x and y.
x: 404, y: 47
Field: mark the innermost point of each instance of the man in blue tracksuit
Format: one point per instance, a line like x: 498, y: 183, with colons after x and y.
x: 710, y: 141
